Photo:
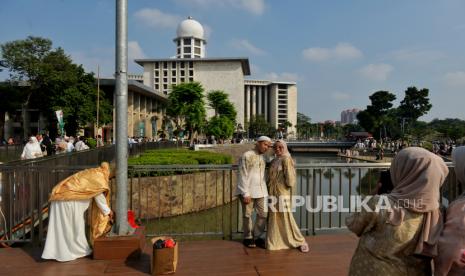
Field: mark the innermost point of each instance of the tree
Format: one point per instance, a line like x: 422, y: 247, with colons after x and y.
x: 414, y: 105
x: 366, y: 120
x: 24, y: 60
x: 303, y: 126
x: 258, y: 126
x: 219, y: 101
x: 54, y: 82
x: 381, y: 102
x: 375, y: 117
x: 186, y: 107
x: 11, y: 98
x: 449, y: 128
x: 221, y: 127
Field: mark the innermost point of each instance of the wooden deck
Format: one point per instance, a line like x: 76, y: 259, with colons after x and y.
x: 329, y: 255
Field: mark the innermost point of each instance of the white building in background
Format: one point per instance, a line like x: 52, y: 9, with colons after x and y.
x: 275, y: 100
x: 349, y: 116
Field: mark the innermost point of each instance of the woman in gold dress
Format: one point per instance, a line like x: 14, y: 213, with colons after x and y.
x: 66, y: 235
x: 283, y: 232
x: 401, y: 239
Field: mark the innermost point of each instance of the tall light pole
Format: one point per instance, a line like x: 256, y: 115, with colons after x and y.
x: 98, y: 101
x: 121, y: 92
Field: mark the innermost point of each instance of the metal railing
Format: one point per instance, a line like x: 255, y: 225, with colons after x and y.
x: 10, y: 152
x: 199, y: 200
x: 186, y: 201
x: 25, y: 186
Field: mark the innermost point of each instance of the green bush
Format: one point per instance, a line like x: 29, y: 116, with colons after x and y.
x: 176, y: 157
x: 428, y: 145
x: 91, y: 142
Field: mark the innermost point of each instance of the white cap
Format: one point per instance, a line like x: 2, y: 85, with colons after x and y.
x: 263, y: 138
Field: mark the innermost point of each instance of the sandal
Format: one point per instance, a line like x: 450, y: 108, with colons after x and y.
x: 304, y: 248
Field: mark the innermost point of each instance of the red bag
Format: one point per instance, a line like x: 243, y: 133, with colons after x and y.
x: 132, y: 219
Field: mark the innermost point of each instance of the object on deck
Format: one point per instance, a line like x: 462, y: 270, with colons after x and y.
x: 164, y: 259
x: 132, y: 219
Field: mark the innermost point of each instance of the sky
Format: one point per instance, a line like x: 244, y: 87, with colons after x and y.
x: 338, y: 52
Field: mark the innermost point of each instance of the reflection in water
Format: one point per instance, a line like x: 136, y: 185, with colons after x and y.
x: 338, y: 182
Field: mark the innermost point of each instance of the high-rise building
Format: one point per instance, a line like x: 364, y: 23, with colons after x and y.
x: 275, y: 100
x: 349, y: 116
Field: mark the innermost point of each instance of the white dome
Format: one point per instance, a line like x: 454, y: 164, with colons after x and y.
x: 190, y: 28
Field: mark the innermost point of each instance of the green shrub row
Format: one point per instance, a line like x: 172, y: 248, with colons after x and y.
x: 176, y: 157
x: 179, y: 157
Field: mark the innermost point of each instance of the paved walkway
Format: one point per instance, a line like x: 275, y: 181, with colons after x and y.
x: 329, y: 255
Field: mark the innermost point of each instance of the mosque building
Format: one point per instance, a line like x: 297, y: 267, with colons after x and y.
x: 274, y: 100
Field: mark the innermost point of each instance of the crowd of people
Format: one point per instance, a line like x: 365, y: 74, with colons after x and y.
x: 41, y: 145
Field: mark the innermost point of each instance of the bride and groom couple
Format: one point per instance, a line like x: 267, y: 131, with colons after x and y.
x: 253, y: 188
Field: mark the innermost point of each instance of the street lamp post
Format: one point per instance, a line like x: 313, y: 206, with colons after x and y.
x: 121, y: 92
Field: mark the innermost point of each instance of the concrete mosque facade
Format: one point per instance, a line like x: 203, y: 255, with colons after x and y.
x: 275, y: 101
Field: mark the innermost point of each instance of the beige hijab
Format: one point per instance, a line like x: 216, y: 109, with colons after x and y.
x: 417, y: 176
x: 277, y: 162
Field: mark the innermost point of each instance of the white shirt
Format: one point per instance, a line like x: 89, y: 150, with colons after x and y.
x: 80, y: 145
x: 70, y: 146
x: 31, y: 150
x: 251, y: 175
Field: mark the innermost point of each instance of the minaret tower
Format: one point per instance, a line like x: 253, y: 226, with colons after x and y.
x: 190, y: 40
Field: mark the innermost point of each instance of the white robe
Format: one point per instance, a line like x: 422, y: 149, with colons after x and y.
x: 32, y: 149
x: 66, y: 235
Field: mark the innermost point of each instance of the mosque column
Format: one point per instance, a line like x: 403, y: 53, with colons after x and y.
x: 254, y: 101
x: 247, y: 103
x: 265, y: 100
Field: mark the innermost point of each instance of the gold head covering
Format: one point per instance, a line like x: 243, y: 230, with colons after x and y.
x: 87, y: 184
x: 278, y: 159
x: 417, y: 176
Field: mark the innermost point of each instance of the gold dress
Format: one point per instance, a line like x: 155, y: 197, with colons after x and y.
x: 66, y: 235
x: 283, y: 231
x: 383, y: 248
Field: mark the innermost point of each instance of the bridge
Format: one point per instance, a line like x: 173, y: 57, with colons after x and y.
x: 319, y: 146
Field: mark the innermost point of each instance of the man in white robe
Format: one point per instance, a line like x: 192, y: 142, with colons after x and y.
x: 252, y: 191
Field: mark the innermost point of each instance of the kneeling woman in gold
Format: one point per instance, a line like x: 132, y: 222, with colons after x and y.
x: 283, y: 232
x: 66, y: 235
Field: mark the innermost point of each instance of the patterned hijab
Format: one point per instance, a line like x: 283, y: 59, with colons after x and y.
x: 417, y: 176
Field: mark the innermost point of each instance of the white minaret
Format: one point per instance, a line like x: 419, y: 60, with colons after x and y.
x: 190, y: 41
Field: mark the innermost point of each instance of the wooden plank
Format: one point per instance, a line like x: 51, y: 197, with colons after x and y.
x: 329, y: 255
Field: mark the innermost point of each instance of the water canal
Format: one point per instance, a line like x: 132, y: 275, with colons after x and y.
x: 338, y: 182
